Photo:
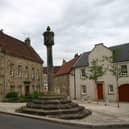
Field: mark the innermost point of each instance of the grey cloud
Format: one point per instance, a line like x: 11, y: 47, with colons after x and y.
x: 77, y: 26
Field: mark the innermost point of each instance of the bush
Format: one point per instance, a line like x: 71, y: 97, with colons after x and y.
x: 35, y: 94
x: 12, y: 95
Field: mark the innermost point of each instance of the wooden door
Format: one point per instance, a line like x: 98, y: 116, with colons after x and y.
x: 124, y: 93
x: 100, y: 91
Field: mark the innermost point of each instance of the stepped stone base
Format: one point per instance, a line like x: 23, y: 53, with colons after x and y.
x: 55, y: 106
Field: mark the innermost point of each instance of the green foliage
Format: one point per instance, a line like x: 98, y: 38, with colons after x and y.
x: 95, y: 70
x: 36, y: 94
x: 33, y: 95
x: 12, y: 94
x: 13, y: 97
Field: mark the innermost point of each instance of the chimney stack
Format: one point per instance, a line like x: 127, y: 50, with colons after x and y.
x: 27, y: 41
x: 76, y: 55
x: 64, y: 61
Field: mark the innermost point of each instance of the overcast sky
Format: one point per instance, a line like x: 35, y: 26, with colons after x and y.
x: 78, y: 24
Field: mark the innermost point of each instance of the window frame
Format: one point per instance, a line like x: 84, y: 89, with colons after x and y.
x: 11, y: 72
x: 19, y: 71
x: 125, y: 71
x: 83, y: 73
x: 83, y: 88
x: 110, y: 92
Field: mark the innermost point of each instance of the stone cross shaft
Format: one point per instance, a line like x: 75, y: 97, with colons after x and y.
x: 49, y: 42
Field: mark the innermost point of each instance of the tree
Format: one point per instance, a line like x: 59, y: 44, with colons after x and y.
x: 96, y: 70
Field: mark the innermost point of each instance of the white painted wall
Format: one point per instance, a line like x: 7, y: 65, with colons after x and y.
x: 108, y: 79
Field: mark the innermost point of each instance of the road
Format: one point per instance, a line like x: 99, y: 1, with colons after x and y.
x: 16, y: 122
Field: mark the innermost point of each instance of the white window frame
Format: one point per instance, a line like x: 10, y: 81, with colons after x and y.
x: 81, y: 74
x: 109, y: 89
x: 124, y: 73
x: 83, y: 93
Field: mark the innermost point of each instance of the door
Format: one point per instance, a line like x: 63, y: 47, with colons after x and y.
x: 124, y: 93
x: 100, y: 91
x: 27, y: 90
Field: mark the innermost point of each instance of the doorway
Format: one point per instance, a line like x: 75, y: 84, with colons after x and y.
x: 27, y: 90
x: 100, y: 91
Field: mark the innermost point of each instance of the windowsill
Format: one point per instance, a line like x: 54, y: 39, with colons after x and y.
x: 123, y: 75
x: 83, y: 78
x: 111, y: 93
x: 83, y: 93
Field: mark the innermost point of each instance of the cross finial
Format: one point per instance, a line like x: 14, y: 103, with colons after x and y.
x: 48, y: 28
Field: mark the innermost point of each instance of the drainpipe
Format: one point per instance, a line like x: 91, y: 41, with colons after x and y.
x: 4, y: 75
x: 75, y: 97
x: 117, y: 78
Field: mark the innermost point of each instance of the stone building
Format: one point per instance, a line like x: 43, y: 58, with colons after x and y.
x: 20, y: 66
x: 64, y: 79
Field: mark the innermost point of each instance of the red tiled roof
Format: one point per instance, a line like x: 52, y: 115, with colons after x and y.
x: 66, y: 68
x: 17, y: 48
x: 55, y: 69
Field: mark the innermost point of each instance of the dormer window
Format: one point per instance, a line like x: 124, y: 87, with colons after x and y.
x: 124, y: 71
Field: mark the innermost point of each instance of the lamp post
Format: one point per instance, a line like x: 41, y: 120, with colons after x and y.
x: 49, y: 42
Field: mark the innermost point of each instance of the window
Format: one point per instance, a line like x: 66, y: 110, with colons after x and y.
x: 19, y: 71
x: 45, y: 83
x: 83, y: 73
x: 123, y: 70
x: 33, y: 73
x: 12, y: 70
x: 33, y: 88
x: 38, y: 78
x: 26, y: 72
x: 12, y: 88
x: 110, y: 89
x: 20, y: 89
x: 83, y: 89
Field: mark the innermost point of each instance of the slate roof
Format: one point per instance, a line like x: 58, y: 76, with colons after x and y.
x: 122, y: 54
x: 67, y: 67
x: 17, y: 48
x: 82, y: 61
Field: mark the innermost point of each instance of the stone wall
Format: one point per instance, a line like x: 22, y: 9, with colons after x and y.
x: 61, y: 84
x: 31, y: 75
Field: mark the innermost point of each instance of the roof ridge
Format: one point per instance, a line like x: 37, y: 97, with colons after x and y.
x: 18, y: 48
x: 66, y: 67
x: 119, y: 45
x: 19, y: 41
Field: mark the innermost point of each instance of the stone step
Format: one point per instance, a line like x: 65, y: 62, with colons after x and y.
x: 52, y: 97
x: 78, y: 115
x: 51, y: 112
x: 51, y: 106
x: 51, y: 101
